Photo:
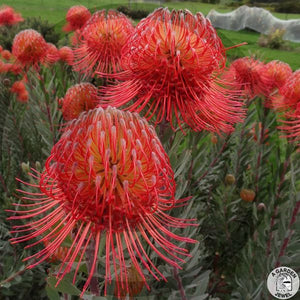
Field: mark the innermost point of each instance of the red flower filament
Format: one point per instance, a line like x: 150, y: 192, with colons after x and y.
x: 79, y: 98
x: 107, y: 176
x: 170, y: 66
x: 101, y: 41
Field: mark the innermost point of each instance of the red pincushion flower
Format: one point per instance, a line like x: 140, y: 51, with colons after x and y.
x: 8, y: 16
x: 6, y: 54
x: 18, y: 87
x: 289, y: 94
x: 245, y: 74
x: 170, y: 66
x: 29, y: 47
x: 289, y: 100
x: 79, y: 98
x: 101, y: 41
x: 107, y: 176
x: 76, y: 17
x: 52, y: 55
x: 66, y: 54
x: 274, y: 75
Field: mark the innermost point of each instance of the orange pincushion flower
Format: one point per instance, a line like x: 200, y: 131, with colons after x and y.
x: 14, y: 68
x: 289, y: 100
x: 6, y: 54
x: 23, y: 96
x: 108, y: 176
x: 29, y: 47
x: 52, y: 55
x: 245, y: 74
x: 79, y: 98
x: 66, y: 55
x: 289, y: 94
x: 170, y: 66
x: 8, y: 16
x: 275, y: 74
x: 76, y: 17
x: 101, y: 41
x: 18, y: 87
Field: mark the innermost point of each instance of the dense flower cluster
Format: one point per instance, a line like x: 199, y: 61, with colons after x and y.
x: 107, y: 176
x: 170, y: 66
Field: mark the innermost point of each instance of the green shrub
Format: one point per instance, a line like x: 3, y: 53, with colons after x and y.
x: 7, y: 33
x: 288, y: 7
x: 133, y: 13
x: 274, y: 40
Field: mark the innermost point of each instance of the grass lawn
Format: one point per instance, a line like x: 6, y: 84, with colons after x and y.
x: 231, y: 38
x: 55, y: 10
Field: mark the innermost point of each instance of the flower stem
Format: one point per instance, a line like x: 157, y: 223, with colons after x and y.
x: 179, y: 283
x: 89, y: 261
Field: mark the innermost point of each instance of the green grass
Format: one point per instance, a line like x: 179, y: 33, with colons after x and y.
x: 231, y: 38
x: 55, y: 10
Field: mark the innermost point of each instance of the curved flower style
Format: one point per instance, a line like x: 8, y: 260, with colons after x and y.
x: 274, y: 75
x: 66, y: 54
x: 79, y: 98
x: 245, y: 74
x: 8, y: 16
x: 101, y: 41
x: 107, y: 176
x: 76, y: 17
x: 170, y: 66
x: 29, y: 47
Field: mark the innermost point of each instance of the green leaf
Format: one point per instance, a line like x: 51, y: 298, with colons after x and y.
x: 65, y: 286
x: 52, y: 293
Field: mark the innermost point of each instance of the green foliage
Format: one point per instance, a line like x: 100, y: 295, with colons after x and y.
x: 47, y: 30
x: 290, y: 6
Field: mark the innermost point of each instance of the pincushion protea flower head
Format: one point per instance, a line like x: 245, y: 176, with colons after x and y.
x: 8, y: 16
x: 289, y: 100
x: 101, y: 41
x: 6, y: 54
x: 79, y: 98
x: 170, y: 66
x: 108, y: 176
x: 52, y: 55
x: 245, y: 73
x: 274, y: 75
x: 66, y: 55
x: 289, y: 94
x: 29, y: 47
x: 76, y: 17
